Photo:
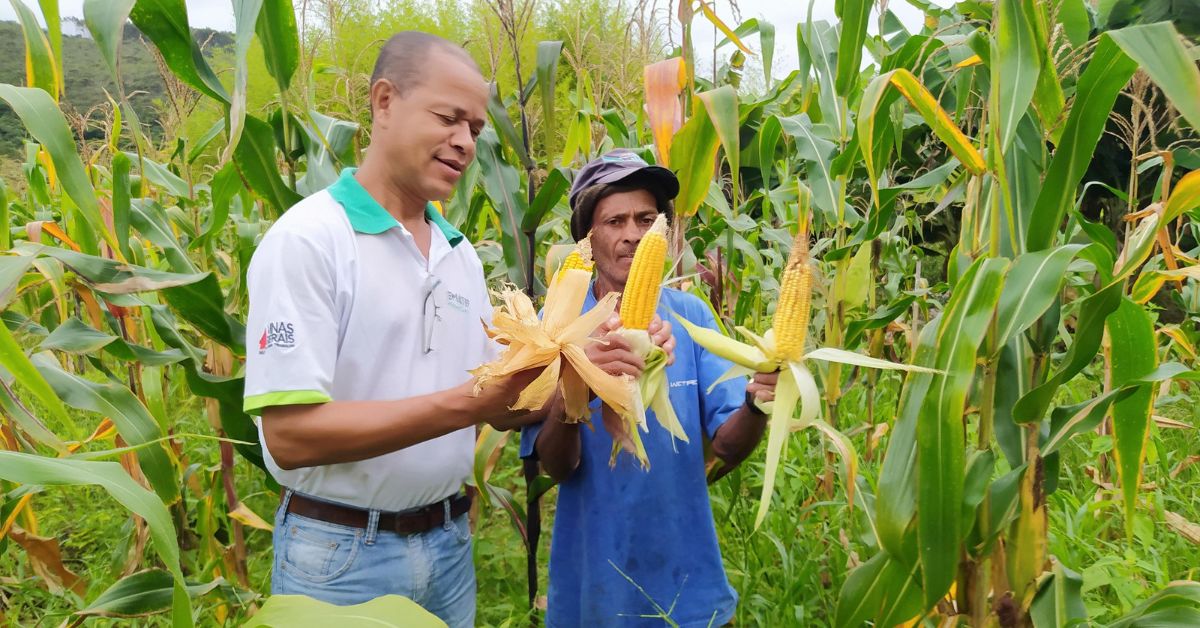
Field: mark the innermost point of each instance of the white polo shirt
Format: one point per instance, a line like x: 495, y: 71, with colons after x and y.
x: 339, y: 311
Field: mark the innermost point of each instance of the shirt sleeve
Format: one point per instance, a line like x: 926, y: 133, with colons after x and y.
x: 292, y: 326
x: 529, y: 435
x: 717, y: 406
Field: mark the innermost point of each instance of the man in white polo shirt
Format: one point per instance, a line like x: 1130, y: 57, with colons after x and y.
x: 365, y: 309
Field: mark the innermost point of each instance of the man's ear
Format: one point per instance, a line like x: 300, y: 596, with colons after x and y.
x: 382, y: 96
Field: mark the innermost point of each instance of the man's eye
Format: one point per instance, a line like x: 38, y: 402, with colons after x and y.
x: 445, y: 118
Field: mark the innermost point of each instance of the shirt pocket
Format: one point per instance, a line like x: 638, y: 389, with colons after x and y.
x: 318, y: 552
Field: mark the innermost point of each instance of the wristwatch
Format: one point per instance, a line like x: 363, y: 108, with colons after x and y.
x: 752, y: 403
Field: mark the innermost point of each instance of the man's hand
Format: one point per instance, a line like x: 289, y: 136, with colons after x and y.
x: 762, y: 386
x: 612, y: 353
x: 662, y: 335
x: 498, y: 396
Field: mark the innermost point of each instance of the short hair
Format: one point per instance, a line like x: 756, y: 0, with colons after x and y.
x: 585, y: 207
x: 402, y: 60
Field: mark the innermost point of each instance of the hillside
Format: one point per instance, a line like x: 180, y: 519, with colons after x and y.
x: 86, y: 77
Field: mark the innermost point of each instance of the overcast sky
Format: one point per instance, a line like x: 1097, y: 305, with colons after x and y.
x: 218, y: 14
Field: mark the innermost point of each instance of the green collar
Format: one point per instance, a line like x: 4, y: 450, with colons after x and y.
x: 368, y: 216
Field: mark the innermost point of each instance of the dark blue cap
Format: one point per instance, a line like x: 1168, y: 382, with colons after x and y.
x: 620, y: 165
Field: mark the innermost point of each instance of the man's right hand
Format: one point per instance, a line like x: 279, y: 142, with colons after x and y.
x: 498, y: 396
x: 611, y: 352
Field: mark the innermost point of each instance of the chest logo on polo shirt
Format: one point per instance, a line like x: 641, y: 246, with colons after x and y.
x: 458, y: 301
x: 281, y: 334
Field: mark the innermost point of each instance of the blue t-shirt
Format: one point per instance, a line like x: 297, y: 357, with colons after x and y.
x: 655, y: 527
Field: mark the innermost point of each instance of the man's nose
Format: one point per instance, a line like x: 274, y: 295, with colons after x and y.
x: 462, y: 140
x: 632, y: 235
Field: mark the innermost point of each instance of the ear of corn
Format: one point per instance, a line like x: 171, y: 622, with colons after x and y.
x: 645, y: 277
x: 782, y: 349
x: 638, y: 304
x: 574, y: 261
x: 790, y: 323
x: 580, y: 258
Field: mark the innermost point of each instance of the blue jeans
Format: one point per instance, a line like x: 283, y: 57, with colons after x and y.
x: 344, y: 565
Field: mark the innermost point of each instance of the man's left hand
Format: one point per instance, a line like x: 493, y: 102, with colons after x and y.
x: 660, y: 332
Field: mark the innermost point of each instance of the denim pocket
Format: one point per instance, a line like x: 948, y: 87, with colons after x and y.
x: 462, y: 528
x: 318, y: 552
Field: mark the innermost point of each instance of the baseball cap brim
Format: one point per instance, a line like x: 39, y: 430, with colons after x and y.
x: 663, y: 182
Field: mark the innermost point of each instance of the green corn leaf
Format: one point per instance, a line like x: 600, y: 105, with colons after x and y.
x: 1059, y: 600
x: 1179, y: 597
x: 548, y: 53
x: 46, y: 124
x: 105, y: 20
x: 256, y: 159
x: 812, y: 147
x: 13, y: 358
x: 1134, y: 353
x: 896, y: 501
x: 298, y: 611
x: 276, y: 28
x: 1106, y: 74
x: 141, y: 594
x: 552, y: 190
x: 722, y: 107
x: 1032, y: 287
x: 42, y: 71
x: 1067, y: 421
x: 38, y: 470
x: 133, y: 421
x: 767, y: 141
x: 853, y: 15
x: 502, y: 184
x: 693, y: 154
x: 1015, y: 67
x: 165, y: 23
x: 1159, y: 51
x: 53, y: 20
x: 940, y: 436
x: 867, y: 588
x: 503, y: 125
x: 1089, y: 330
x: 246, y: 13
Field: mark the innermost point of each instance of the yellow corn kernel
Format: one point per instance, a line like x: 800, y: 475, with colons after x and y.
x: 640, y: 298
x: 795, y: 295
x: 574, y: 261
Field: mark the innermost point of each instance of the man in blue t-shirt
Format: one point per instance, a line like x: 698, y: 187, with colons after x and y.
x: 631, y: 546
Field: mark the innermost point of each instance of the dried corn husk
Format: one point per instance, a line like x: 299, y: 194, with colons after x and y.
x: 556, y: 342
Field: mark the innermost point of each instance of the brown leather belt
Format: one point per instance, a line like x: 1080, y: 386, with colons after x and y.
x: 402, y: 523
